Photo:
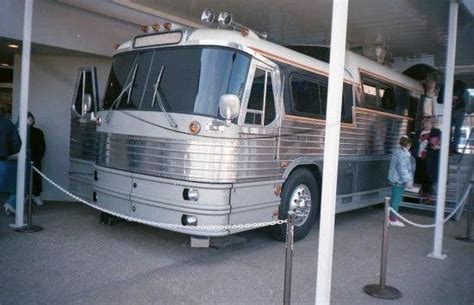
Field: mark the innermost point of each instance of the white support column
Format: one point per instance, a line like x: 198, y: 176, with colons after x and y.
x: 23, y: 111
x: 331, y: 151
x: 446, y: 130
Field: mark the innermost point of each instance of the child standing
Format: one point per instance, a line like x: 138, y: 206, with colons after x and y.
x: 400, y: 175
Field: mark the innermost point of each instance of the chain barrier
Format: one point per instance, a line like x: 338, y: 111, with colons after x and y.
x: 161, y: 224
x: 427, y: 226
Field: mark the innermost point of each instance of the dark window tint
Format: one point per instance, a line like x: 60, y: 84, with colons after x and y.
x: 347, y: 100
x: 404, y: 102
x: 413, y: 106
x: 270, y: 102
x: 257, y: 92
x: 137, y: 81
x: 383, y: 96
x: 387, y: 97
x: 119, y: 72
x: 307, y: 97
x: 187, y: 79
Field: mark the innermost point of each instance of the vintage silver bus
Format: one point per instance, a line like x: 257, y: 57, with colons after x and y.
x: 220, y: 127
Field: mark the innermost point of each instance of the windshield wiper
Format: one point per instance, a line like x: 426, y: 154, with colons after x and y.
x: 128, y: 88
x: 157, y: 96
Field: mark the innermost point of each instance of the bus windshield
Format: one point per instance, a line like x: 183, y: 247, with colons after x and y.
x: 187, y: 80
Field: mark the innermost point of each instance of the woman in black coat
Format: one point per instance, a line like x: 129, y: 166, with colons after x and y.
x: 38, y: 148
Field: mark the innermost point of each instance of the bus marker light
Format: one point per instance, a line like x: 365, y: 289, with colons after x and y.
x: 156, y: 27
x: 277, y: 190
x: 194, y: 127
x: 167, y: 26
x: 146, y: 28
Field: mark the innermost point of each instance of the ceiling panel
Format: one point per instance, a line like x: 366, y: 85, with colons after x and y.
x: 408, y: 28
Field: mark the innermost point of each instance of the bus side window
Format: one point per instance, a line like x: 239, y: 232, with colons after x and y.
x: 387, y: 98
x: 306, y: 97
x: 261, y: 104
x: 403, y: 99
x: 347, y: 102
x: 370, y: 93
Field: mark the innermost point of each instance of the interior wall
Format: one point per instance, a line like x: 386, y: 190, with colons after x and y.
x: 52, y: 81
x: 67, y: 27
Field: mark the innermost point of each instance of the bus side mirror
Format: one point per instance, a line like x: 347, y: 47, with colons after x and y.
x: 85, y: 100
x: 229, y: 107
x: 87, y: 104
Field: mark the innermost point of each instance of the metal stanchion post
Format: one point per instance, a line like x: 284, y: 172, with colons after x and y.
x: 290, y: 231
x: 381, y: 290
x: 468, y: 236
x: 30, y: 228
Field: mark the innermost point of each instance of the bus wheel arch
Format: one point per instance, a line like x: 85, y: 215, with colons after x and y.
x: 302, y: 185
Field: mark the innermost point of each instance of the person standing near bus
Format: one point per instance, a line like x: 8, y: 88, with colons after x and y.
x: 426, y: 150
x: 10, y: 144
x: 400, y: 175
x: 38, y: 148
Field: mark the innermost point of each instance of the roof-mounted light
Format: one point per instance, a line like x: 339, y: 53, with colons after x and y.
x: 208, y: 16
x: 156, y: 27
x: 225, y: 20
x: 168, y: 26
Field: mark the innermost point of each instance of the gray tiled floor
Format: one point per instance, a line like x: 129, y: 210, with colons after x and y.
x: 75, y: 260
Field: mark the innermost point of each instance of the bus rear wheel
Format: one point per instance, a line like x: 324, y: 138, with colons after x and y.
x: 300, y: 189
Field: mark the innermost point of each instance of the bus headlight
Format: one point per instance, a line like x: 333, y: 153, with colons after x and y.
x: 190, y: 194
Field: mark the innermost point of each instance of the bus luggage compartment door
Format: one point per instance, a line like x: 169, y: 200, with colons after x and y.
x: 112, y: 190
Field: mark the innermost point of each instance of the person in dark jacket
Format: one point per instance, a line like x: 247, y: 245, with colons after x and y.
x: 10, y: 144
x: 426, y: 151
x: 38, y: 148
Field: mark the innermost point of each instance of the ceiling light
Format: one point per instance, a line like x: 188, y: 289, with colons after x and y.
x: 13, y: 46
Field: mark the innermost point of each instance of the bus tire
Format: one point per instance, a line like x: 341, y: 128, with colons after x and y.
x: 298, y: 186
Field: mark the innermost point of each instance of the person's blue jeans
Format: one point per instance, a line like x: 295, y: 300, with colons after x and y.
x: 396, y: 198
x: 457, y: 120
x: 7, y: 176
x: 11, y: 201
x: 8, y: 179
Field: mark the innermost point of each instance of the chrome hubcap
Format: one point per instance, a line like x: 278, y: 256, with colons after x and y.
x: 300, y: 201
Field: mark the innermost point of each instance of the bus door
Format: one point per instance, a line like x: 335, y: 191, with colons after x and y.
x: 85, y: 104
x: 258, y: 148
x: 260, y: 115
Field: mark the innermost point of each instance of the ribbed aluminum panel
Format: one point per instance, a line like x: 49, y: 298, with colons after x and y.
x: 246, y: 160
x: 83, y: 140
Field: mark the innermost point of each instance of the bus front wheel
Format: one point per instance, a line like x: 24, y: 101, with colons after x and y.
x: 300, y: 189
